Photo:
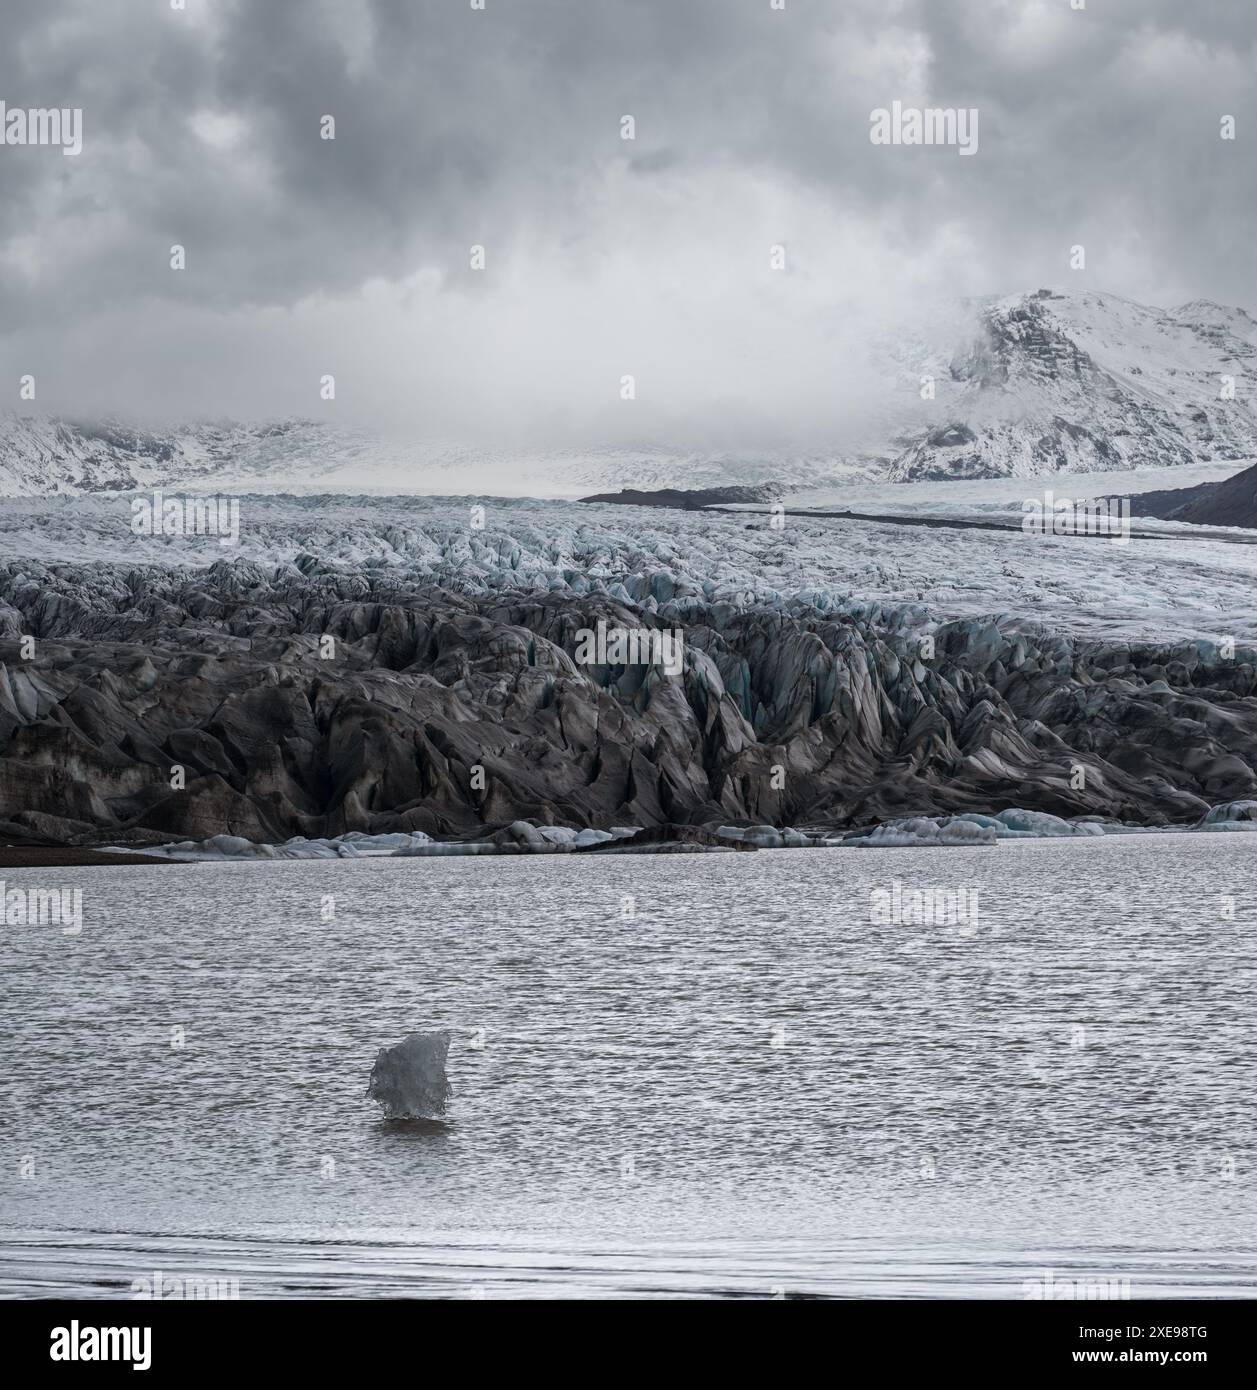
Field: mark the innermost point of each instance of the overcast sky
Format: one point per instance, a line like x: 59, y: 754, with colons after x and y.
x: 604, y: 257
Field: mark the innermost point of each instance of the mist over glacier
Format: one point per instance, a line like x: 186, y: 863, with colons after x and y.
x: 1026, y: 385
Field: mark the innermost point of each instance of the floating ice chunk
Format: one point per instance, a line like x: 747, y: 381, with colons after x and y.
x: 973, y: 828
x: 310, y: 849
x: 924, y: 830
x: 522, y: 837
x: 235, y: 847
x: 767, y: 836
x: 964, y: 832
x: 436, y: 849
x: 409, y: 1080
x: 1036, y: 823
x: 977, y: 818
x: 557, y: 834
x: 1232, y: 814
x: 355, y: 845
x: 363, y: 844
x: 1017, y: 824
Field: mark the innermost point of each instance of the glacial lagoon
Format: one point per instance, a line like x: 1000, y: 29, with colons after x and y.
x: 698, y: 1075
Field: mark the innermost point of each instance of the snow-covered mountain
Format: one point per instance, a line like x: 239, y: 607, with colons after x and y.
x: 41, y: 456
x: 1029, y: 385
x: 1089, y: 383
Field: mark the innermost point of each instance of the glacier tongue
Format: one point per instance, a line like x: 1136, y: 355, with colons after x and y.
x: 380, y: 667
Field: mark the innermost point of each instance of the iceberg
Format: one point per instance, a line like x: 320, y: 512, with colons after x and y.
x: 767, y: 836
x: 408, y: 1081
x: 926, y: 830
x: 355, y: 845
x: 973, y: 828
x: 523, y: 837
x: 1231, y: 815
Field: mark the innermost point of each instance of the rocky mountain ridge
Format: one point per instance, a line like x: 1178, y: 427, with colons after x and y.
x: 1090, y: 383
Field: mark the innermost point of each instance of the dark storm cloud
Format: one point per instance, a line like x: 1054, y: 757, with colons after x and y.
x: 501, y: 127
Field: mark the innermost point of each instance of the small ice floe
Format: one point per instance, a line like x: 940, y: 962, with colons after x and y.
x: 972, y: 828
x: 925, y: 830
x: 408, y: 1081
x: 768, y: 836
x: 1231, y: 815
x: 354, y: 845
x: 521, y: 837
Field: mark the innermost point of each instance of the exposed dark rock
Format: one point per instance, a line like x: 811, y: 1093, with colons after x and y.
x: 66, y: 857
x: 1231, y: 502
x: 691, y: 499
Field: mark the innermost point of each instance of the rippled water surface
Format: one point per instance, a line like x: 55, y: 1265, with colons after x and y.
x: 696, y: 1074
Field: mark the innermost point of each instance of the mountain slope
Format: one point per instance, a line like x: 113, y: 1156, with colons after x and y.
x: 1232, y: 502
x: 41, y: 456
x: 1088, y: 383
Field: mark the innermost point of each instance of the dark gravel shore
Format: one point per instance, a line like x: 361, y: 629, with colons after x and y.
x: 66, y: 857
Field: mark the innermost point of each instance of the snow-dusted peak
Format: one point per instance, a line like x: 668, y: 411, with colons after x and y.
x: 1089, y: 382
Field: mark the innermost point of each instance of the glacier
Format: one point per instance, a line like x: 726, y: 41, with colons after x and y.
x: 1172, y: 586
x: 1064, y: 677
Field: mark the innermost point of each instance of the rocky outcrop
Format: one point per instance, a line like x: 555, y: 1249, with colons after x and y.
x: 270, y: 702
x: 1231, y: 502
x: 690, y: 499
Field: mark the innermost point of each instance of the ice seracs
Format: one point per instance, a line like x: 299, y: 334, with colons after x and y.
x: 378, y: 667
